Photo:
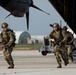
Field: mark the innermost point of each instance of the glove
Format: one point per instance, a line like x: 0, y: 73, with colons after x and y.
x: 2, y: 47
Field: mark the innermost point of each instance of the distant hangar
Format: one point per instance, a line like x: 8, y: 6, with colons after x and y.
x: 23, y: 37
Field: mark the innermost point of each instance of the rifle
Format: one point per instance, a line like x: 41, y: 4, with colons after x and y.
x: 56, y: 41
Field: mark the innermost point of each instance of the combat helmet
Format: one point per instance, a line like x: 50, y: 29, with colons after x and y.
x: 4, y: 25
x: 56, y: 25
x: 65, y: 28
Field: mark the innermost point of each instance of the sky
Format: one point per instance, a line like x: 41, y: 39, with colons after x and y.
x: 39, y: 22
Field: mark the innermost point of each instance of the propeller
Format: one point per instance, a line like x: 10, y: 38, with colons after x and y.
x: 34, y: 6
x: 39, y: 9
x: 27, y: 14
x: 27, y: 20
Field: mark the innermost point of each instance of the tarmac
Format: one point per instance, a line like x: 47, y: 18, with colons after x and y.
x: 33, y: 63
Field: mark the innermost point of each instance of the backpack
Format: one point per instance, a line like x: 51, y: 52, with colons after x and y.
x: 13, y: 34
x: 13, y: 44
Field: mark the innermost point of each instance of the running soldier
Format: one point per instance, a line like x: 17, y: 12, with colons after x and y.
x: 8, y: 39
x: 56, y: 38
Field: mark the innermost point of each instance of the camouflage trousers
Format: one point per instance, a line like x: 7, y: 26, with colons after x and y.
x: 7, y: 55
x: 60, y: 53
x: 69, y: 51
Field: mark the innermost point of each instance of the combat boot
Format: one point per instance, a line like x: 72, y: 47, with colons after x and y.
x: 66, y: 63
x: 11, y: 66
x: 59, y: 66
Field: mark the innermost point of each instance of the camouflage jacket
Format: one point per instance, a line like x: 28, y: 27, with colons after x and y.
x: 7, y: 38
x: 57, y: 36
x: 69, y: 38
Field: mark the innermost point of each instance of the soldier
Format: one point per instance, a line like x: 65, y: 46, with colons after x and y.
x: 8, y: 43
x: 56, y: 37
x: 69, y: 42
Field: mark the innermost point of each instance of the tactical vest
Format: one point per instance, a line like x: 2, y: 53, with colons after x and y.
x: 56, y: 36
x: 7, y: 33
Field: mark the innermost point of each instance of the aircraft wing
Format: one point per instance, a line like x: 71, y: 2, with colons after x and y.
x: 66, y: 8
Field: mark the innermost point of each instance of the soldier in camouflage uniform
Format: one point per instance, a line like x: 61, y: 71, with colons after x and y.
x: 7, y: 38
x: 69, y: 42
x: 56, y: 38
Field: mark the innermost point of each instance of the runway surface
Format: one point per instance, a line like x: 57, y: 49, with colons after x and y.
x: 33, y: 63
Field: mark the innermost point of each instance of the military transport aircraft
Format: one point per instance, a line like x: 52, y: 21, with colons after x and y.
x: 19, y: 8
x: 66, y: 8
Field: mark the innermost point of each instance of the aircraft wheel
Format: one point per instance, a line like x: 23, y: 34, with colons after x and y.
x: 44, y: 53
